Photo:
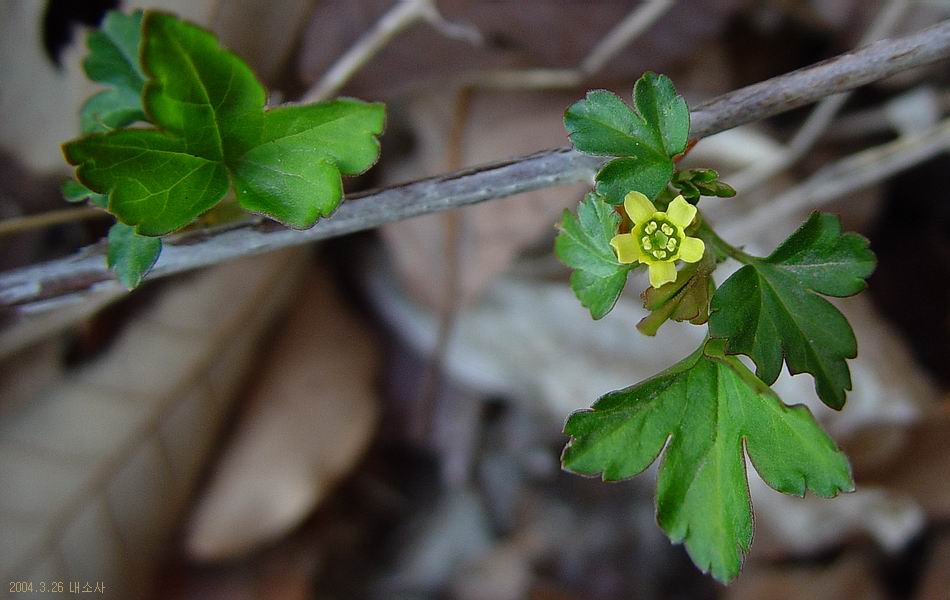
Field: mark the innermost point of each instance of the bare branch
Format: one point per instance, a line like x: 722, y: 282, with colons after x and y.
x: 641, y: 18
x: 400, y: 17
x: 38, y: 287
x: 821, y: 116
x: 851, y: 173
x: 49, y: 218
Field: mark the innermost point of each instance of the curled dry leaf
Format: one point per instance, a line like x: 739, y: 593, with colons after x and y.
x: 97, y: 468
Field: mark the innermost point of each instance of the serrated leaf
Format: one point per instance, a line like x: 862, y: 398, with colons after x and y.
x: 770, y: 309
x: 707, y: 407
x: 113, y: 60
x: 131, y: 256
x: 113, y: 51
x: 285, y: 163
x: 659, y: 104
x: 73, y: 191
x: 684, y: 299
x: 646, y: 139
x: 583, y: 244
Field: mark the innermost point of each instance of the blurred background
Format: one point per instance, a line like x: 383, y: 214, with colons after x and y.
x: 379, y: 416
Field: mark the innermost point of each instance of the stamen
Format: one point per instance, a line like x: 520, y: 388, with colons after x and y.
x: 671, y: 245
x: 651, y: 227
x: 646, y: 243
x: 667, y: 229
x: 659, y: 254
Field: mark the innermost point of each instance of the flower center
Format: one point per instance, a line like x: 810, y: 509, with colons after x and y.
x: 659, y: 238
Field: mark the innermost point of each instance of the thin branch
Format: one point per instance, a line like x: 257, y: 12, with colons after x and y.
x: 636, y: 22
x: 919, y: 105
x: 401, y: 16
x: 821, y: 116
x: 62, y: 281
x: 851, y: 173
x: 48, y: 219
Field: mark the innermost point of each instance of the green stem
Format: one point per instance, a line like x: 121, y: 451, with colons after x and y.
x: 707, y: 232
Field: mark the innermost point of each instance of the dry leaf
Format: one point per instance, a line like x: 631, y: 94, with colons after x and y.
x: 920, y: 468
x: 310, y: 416
x: 848, y: 577
x: 96, y: 470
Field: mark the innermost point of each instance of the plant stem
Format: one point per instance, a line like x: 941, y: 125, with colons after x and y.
x: 710, y: 235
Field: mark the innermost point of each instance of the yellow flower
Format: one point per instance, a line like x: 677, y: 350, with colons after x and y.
x: 658, y: 239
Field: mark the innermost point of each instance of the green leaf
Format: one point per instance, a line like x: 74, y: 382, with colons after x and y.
x: 770, y: 309
x: 285, y: 163
x: 707, y: 407
x: 621, y: 175
x: 73, y: 191
x: 130, y: 255
x: 583, y: 244
x: 685, y: 299
x: 664, y: 109
x: 113, y: 60
x: 110, y: 109
x: 646, y: 139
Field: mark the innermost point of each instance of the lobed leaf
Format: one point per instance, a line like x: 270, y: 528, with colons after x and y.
x: 770, y: 309
x: 659, y: 104
x: 646, y: 140
x: 211, y: 131
x: 113, y: 60
x: 583, y: 244
x: 705, y: 410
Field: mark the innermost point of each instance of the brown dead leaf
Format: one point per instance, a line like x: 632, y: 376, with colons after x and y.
x: 849, y: 577
x: 920, y: 468
x: 310, y: 416
x: 97, y: 467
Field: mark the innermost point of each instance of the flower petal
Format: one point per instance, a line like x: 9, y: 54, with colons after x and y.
x: 691, y: 249
x: 662, y: 272
x: 638, y: 207
x: 680, y: 212
x: 627, y: 248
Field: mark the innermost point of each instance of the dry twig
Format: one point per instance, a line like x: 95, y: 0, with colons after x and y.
x: 821, y: 116
x: 47, y: 219
x: 401, y: 16
x: 66, y: 280
x: 636, y: 22
x: 851, y: 173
